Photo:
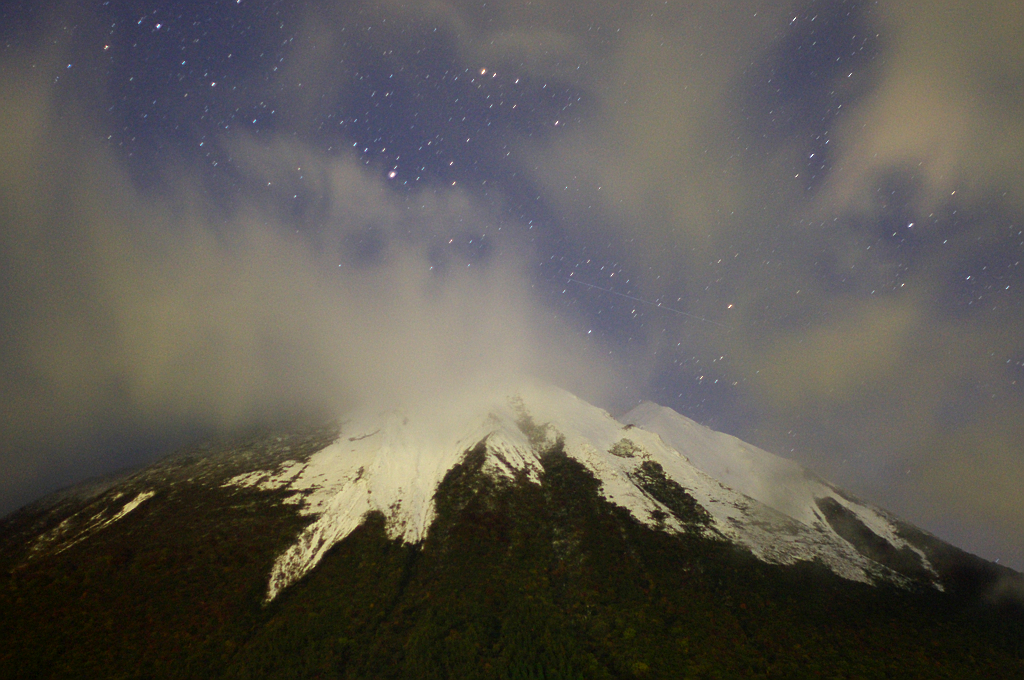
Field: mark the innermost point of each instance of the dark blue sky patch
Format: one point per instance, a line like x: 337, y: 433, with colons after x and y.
x: 825, y: 61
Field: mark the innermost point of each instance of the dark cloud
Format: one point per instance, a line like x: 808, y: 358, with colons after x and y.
x: 832, y: 187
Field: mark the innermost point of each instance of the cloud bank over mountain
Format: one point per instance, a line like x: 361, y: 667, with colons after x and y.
x: 151, y: 311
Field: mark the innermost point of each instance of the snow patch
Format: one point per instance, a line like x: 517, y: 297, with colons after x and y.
x: 74, y: 529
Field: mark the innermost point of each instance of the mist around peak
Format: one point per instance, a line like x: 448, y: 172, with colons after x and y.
x: 139, y: 317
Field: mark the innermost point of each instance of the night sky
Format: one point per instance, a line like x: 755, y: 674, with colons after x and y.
x: 801, y: 223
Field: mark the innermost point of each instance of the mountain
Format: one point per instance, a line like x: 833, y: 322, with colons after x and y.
x: 524, y: 535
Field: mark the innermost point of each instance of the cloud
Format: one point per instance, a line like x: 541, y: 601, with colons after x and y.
x: 976, y: 482
x: 948, y: 105
x: 144, y: 312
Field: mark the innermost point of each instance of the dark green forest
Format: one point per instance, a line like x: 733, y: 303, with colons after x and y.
x: 515, y: 580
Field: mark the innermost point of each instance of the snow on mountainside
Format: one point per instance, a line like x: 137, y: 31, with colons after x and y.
x: 394, y: 462
x: 779, y: 483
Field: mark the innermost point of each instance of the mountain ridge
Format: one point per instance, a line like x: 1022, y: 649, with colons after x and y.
x: 545, y: 565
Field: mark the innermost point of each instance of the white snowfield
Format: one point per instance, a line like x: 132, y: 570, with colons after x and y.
x: 393, y: 463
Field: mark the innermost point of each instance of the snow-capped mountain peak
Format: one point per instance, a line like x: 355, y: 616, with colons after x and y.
x: 393, y: 462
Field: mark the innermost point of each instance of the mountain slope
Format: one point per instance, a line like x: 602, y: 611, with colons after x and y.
x: 392, y: 463
x: 558, y: 543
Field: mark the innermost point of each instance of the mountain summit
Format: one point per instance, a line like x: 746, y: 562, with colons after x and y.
x: 391, y: 464
x: 527, y: 534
